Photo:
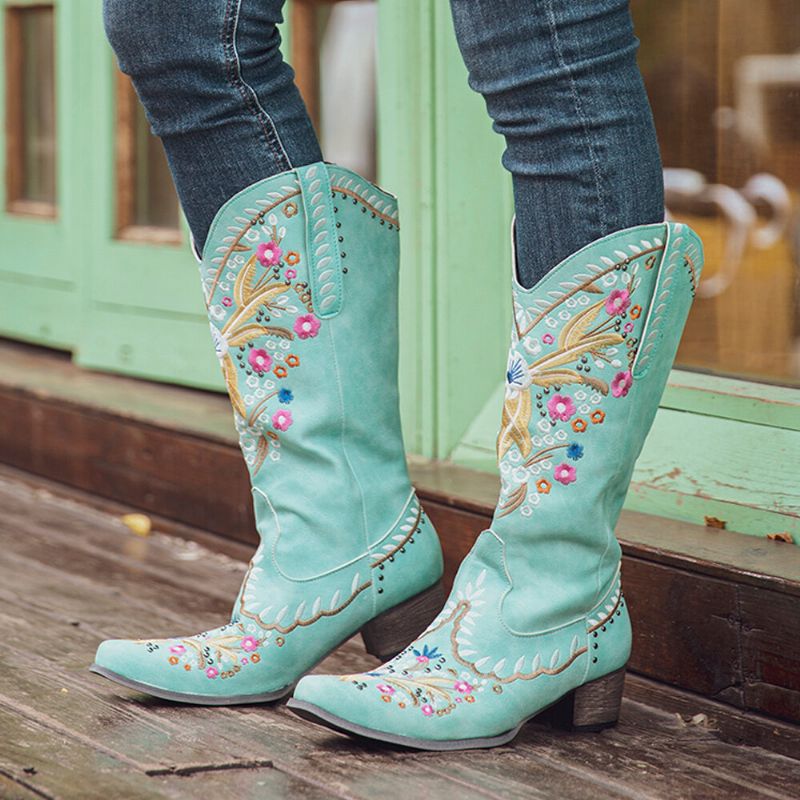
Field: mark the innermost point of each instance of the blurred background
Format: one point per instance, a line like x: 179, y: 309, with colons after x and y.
x: 95, y: 261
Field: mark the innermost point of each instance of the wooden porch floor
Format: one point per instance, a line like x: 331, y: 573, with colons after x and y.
x: 71, y: 574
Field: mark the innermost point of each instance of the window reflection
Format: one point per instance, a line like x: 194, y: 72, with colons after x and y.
x: 147, y: 204
x: 30, y: 110
x: 724, y: 80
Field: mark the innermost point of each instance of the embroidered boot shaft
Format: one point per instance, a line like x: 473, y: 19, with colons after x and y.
x: 300, y: 281
x: 536, y: 616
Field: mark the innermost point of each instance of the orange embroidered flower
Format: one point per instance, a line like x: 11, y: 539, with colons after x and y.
x: 386, y: 698
x: 187, y: 667
x: 402, y: 705
x: 173, y: 660
x: 469, y: 698
x: 543, y: 486
x: 255, y: 658
x: 280, y: 372
x: 292, y: 258
x: 579, y: 425
x: 292, y: 360
x: 289, y: 210
x: 598, y: 416
x: 636, y: 312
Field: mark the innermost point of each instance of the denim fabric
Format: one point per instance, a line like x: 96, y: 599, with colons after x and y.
x: 217, y: 91
x: 562, y: 85
x: 560, y: 81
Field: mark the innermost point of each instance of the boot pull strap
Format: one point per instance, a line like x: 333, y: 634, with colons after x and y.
x: 322, y: 244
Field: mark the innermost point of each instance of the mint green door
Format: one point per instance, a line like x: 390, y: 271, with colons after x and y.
x: 726, y: 447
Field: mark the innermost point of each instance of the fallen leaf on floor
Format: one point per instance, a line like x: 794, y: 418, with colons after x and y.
x: 139, y: 524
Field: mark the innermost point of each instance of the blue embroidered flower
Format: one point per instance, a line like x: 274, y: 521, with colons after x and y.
x: 575, y: 451
x: 285, y: 396
x: 426, y: 654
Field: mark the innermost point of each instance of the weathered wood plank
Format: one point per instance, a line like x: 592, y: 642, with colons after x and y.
x: 266, y: 750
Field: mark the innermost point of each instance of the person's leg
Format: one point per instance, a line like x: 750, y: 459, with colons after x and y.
x: 562, y: 85
x: 217, y: 91
x: 536, y: 615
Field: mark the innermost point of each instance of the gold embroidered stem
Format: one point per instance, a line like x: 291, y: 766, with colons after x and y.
x: 391, y: 220
x: 235, y: 244
x: 400, y: 544
x: 607, y: 617
x: 298, y: 623
x: 556, y: 303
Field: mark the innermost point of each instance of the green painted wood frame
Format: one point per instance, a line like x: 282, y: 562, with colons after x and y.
x: 720, y: 447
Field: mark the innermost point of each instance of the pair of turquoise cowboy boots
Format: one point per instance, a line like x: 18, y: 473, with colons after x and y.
x: 300, y: 281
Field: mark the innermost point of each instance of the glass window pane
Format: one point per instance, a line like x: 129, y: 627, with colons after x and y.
x: 724, y: 80
x: 30, y: 106
x: 147, y: 204
x: 155, y: 200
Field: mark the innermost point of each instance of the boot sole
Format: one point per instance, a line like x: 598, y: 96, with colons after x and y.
x: 591, y: 707
x: 186, y: 697
x: 394, y: 628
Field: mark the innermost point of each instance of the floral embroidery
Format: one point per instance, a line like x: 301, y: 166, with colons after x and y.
x: 285, y: 396
x: 292, y: 360
x: 575, y: 451
x: 306, y: 326
x: 426, y: 654
x: 564, y: 473
x: 260, y: 360
x: 269, y: 254
x: 221, y: 653
x: 618, y: 302
x: 621, y: 384
x: 561, y: 407
x: 227, y: 302
x: 543, y: 486
x: 290, y: 274
x: 592, y: 347
x: 280, y: 371
x: 282, y: 420
x: 293, y: 258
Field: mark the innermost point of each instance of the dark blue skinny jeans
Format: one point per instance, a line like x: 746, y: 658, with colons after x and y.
x: 559, y: 78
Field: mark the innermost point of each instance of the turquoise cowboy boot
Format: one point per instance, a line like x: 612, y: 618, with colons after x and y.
x: 536, y: 616
x: 300, y: 280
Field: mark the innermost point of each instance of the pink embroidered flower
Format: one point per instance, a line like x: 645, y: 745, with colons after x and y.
x: 227, y: 302
x: 244, y: 661
x: 622, y: 383
x: 564, y: 473
x: 290, y: 274
x: 427, y: 709
x: 462, y: 686
x: 178, y: 649
x: 384, y: 688
x: 628, y: 327
x: 269, y: 254
x: 548, y: 338
x: 249, y: 643
x: 260, y: 360
x: 561, y: 407
x: 212, y: 672
x: 618, y: 301
x: 282, y: 420
x: 306, y: 326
